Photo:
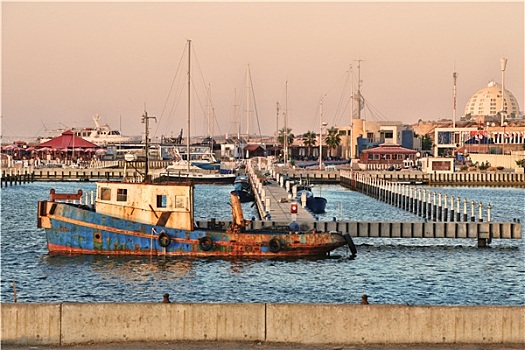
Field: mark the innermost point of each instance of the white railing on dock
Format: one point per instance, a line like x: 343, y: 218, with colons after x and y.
x: 487, y: 178
x: 429, y: 204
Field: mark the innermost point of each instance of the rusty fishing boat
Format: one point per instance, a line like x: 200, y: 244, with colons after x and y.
x: 145, y: 217
x: 157, y: 219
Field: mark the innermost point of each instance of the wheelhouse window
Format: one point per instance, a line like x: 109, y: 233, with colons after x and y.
x: 161, y: 201
x: 105, y: 193
x: 122, y: 194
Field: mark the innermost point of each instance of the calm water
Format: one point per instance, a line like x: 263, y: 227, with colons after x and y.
x: 408, y: 271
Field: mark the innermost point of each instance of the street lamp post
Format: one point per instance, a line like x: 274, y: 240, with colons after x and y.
x: 321, y: 125
x: 503, y: 66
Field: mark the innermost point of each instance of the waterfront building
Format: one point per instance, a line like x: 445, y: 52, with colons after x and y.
x: 489, y: 139
x: 388, y: 155
x: 487, y: 104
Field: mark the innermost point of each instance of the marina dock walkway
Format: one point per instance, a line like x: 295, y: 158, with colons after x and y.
x: 275, y: 203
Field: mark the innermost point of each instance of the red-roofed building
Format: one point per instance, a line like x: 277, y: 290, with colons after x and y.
x: 385, y: 155
x: 254, y: 151
x: 67, y: 141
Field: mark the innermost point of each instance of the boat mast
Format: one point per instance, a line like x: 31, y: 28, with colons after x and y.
x: 277, y: 130
x: 208, y: 112
x: 188, y: 121
x: 321, y: 134
x: 248, y: 102
x: 285, y: 133
x: 145, y: 120
x: 454, y: 76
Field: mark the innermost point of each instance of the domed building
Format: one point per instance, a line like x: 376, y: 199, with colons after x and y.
x: 487, y: 103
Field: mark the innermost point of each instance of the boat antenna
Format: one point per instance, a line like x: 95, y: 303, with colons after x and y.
x: 145, y: 120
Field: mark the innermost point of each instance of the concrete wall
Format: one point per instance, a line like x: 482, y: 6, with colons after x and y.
x: 393, y: 324
x: 507, y: 161
x: 30, y: 324
x: 65, y: 324
x: 161, y: 322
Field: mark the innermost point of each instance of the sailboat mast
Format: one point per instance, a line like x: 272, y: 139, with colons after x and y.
x: 321, y: 134
x: 352, y: 95
x: 277, y: 130
x: 248, y: 102
x: 208, y: 112
x: 286, y: 126
x: 189, y: 106
x: 454, y: 77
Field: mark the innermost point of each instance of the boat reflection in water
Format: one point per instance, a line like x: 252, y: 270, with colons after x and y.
x: 125, y: 268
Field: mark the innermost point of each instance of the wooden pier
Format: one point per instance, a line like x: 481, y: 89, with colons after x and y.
x: 485, y: 178
x: 311, y: 176
x: 16, y: 176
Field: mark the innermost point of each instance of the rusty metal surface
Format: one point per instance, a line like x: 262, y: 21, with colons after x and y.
x: 73, y: 229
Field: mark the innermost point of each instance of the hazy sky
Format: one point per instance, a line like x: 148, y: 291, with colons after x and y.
x: 64, y: 62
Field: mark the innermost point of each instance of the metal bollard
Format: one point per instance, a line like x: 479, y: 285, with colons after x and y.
x: 480, y: 213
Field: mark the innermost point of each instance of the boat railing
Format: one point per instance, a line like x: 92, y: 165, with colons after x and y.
x: 81, y: 197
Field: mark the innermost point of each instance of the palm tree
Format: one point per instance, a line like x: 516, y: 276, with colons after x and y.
x: 332, y: 139
x: 291, y: 136
x: 309, y: 140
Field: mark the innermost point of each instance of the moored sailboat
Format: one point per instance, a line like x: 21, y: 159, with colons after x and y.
x: 199, y: 167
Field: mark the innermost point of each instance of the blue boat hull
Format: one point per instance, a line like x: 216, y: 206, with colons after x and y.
x: 244, y: 195
x: 316, y: 204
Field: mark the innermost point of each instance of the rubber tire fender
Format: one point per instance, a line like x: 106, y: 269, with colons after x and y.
x: 164, y: 239
x: 205, y: 243
x: 274, y: 245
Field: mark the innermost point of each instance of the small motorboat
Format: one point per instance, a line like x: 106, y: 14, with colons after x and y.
x: 316, y: 205
x: 243, y: 188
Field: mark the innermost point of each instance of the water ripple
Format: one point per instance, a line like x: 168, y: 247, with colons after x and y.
x: 393, y: 271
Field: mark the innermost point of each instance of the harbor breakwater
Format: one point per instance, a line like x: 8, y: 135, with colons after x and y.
x: 81, y: 323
